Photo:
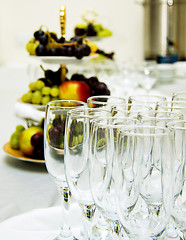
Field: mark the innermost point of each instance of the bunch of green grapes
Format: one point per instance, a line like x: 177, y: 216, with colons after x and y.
x: 40, y: 94
x: 32, y: 45
x: 14, y: 139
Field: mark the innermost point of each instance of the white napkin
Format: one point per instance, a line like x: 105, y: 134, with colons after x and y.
x: 27, y: 111
x: 39, y: 224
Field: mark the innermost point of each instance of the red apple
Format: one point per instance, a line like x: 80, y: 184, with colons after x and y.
x: 74, y: 90
x: 25, y: 140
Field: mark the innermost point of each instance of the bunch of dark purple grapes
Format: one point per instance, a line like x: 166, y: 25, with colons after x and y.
x: 97, y: 87
x: 37, y: 141
x: 90, y: 31
x: 51, y: 77
x: 51, y: 45
x: 56, y: 132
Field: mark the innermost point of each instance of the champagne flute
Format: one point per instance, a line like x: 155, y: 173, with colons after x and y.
x: 76, y: 159
x: 178, y: 135
x: 129, y: 110
x: 135, y: 149
x: 55, y: 119
x: 102, y: 168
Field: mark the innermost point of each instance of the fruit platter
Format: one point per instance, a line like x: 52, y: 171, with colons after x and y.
x: 49, y: 48
x: 75, y: 48
x: 27, y: 143
x: 59, y: 50
x: 90, y: 28
x: 46, y: 43
x: 55, y: 85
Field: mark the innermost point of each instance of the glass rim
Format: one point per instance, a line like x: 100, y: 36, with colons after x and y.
x: 140, y: 105
x: 146, y: 95
x: 177, y: 93
x: 172, y: 104
x: 126, y: 130
x: 178, y: 98
x: 172, y: 101
x: 176, y: 114
x: 99, y: 122
x: 52, y: 103
x: 158, y: 97
x: 148, y: 109
x: 74, y: 112
x: 172, y: 125
x: 89, y: 100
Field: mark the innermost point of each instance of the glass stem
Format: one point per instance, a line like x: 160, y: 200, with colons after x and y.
x: 115, y: 228
x: 65, y: 204
x: 88, y: 213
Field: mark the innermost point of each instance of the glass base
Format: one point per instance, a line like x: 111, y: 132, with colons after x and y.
x: 59, y: 237
x: 100, y: 232
x: 65, y: 235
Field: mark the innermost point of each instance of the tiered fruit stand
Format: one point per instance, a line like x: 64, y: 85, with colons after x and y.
x: 33, y: 113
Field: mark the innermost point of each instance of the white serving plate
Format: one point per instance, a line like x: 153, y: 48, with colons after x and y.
x: 63, y: 60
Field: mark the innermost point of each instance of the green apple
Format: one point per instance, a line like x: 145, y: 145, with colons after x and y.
x: 25, y: 140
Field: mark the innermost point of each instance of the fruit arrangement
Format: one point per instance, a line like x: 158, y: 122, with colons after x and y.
x: 30, y: 141
x: 45, y: 43
x: 54, y: 86
x: 91, y: 30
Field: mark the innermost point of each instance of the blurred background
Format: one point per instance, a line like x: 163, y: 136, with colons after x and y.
x: 19, y: 19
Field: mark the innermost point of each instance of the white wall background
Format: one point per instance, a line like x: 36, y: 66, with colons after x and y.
x: 19, y: 19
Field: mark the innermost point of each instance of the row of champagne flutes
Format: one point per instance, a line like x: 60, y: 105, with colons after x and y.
x: 123, y: 162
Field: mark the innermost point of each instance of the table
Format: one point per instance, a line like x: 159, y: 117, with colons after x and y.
x: 27, y: 186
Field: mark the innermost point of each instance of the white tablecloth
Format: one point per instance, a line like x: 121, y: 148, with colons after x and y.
x: 38, y: 224
x: 23, y: 186
x: 26, y: 186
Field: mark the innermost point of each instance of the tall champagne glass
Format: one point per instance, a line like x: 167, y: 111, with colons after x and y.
x: 55, y: 119
x: 76, y: 158
x: 178, y: 130
x: 102, y: 168
x: 129, y: 110
x: 159, y: 119
x: 135, y: 176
